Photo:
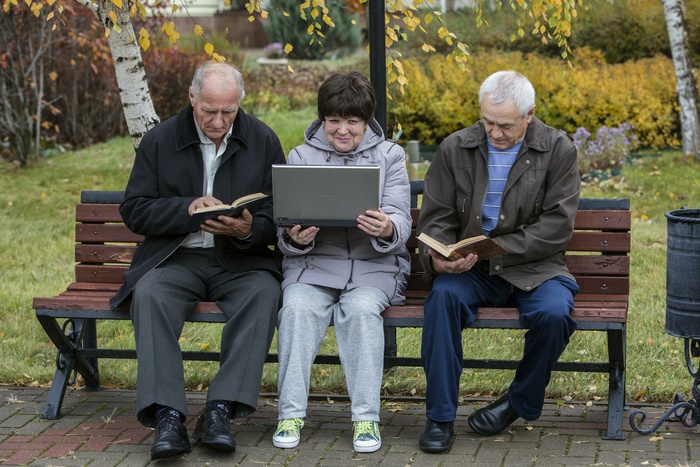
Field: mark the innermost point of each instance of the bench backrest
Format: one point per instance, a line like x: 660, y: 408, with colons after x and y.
x: 597, y: 254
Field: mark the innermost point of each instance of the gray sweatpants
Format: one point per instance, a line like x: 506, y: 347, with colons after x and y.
x: 302, y: 322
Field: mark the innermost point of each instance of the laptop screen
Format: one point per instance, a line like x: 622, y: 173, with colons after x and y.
x: 323, y: 195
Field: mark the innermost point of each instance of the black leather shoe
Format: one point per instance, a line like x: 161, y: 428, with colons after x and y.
x: 171, y: 439
x: 213, y: 430
x: 494, y: 418
x: 437, y: 437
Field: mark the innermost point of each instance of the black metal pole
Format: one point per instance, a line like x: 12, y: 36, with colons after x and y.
x: 377, y: 59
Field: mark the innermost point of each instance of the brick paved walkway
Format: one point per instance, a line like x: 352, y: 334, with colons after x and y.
x: 100, y: 429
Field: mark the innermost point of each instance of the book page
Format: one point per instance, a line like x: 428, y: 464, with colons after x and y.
x: 468, y: 241
x: 436, y: 245
x: 218, y: 207
x: 247, y: 198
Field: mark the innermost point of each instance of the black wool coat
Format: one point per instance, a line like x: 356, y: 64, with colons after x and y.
x: 168, y: 175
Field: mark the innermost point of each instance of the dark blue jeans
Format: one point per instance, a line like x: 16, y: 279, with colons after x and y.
x: 453, y: 304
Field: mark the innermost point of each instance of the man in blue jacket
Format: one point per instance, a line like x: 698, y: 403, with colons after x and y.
x: 209, y: 154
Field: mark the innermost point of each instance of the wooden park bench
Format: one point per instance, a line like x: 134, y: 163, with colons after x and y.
x: 597, y: 255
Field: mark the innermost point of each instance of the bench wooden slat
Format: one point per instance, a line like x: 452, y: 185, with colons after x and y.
x: 94, y: 286
x: 608, y: 265
x: 96, y: 253
x: 97, y: 213
x: 99, y: 273
x: 102, y: 233
x: 603, y: 285
x: 602, y: 220
x: 595, y: 264
x: 587, y: 284
x: 618, y: 242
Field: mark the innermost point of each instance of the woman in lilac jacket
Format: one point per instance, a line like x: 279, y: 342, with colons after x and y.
x: 347, y: 275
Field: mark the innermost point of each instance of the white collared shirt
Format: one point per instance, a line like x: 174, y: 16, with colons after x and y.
x: 211, y: 159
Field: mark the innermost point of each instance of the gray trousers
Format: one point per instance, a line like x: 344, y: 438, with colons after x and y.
x: 162, y: 300
x: 302, y: 322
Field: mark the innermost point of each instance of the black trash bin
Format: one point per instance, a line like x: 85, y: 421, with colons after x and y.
x: 683, y: 273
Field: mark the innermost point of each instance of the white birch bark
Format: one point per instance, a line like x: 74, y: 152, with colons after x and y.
x: 130, y: 71
x: 686, y: 87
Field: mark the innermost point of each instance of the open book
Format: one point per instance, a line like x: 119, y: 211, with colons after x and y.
x: 481, y: 246
x: 251, y: 202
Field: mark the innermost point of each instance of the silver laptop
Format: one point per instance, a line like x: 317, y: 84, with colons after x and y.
x: 323, y: 195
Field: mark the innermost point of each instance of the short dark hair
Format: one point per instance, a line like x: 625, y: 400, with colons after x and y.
x: 346, y: 95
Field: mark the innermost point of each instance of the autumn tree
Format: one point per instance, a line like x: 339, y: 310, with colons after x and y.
x: 23, y: 60
x: 686, y: 85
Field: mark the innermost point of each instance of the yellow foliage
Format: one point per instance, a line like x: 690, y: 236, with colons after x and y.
x: 144, y: 41
x: 442, y: 98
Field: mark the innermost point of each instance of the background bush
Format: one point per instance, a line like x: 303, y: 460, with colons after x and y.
x: 275, y: 89
x: 285, y: 25
x: 59, y: 79
x: 441, y: 98
x: 622, y: 30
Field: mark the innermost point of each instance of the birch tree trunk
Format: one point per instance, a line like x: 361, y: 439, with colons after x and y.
x: 130, y: 71
x: 686, y: 86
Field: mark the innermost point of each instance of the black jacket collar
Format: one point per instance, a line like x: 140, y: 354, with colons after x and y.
x: 187, y: 131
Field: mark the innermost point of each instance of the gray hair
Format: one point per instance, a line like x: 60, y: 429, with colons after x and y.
x: 204, y: 70
x: 508, y: 85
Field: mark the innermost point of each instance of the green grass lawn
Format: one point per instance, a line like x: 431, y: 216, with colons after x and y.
x: 37, y: 239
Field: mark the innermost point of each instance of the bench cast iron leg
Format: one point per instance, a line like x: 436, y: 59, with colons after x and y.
x: 616, y: 386
x: 390, y: 346
x: 89, y: 341
x: 67, y: 339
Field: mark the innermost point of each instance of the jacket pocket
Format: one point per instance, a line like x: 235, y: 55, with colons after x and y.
x: 464, y: 208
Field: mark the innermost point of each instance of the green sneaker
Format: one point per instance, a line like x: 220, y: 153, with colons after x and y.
x: 366, y: 437
x: 288, y: 433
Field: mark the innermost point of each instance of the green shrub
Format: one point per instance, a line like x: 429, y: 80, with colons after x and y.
x: 285, y: 25
x: 622, y: 30
x: 441, y: 99
x: 275, y: 89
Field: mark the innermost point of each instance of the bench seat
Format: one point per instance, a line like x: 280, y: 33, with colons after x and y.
x: 597, y: 255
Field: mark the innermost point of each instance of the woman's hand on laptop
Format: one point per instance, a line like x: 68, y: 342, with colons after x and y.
x: 376, y: 223
x: 301, y: 237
